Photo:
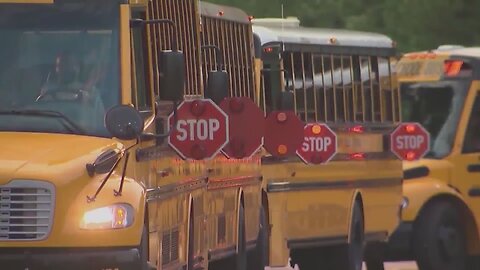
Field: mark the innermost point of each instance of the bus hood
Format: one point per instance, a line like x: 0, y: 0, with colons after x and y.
x: 436, y: 168
x: 57, y: 158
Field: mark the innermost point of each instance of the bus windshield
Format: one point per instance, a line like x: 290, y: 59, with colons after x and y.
x: 437, y: 106
x: 59, y: 71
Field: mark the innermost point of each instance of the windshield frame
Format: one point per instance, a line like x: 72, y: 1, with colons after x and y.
x: 459, y: 87
x: 112, y: 24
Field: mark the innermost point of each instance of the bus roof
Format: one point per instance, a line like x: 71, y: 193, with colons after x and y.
x: 448, y: 51
x: 223, y: 12
x: 271, y: 30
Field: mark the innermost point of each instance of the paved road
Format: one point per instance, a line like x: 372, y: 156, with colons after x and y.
x: 389, y: 266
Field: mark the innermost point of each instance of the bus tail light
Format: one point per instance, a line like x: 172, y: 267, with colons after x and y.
x: 357, y: 156
x: 357, y: 129
x: 454, y: 68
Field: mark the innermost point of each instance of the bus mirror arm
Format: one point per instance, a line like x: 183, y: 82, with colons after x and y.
x: 217, y: 81
x: 152, y: 136
x: 124, y: 154
x: 170, y: 63
x: 286, y: 100
x: 141, y: 23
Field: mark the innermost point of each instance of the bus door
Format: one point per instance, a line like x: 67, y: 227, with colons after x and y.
x: 466, y: 177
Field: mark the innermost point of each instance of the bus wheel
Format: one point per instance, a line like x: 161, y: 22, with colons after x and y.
x: 374, y: 256
x: 241, y: 258
x: 258, y: 257
x: 350, y: 256
x: 438, y: 238
x: 191, y: 243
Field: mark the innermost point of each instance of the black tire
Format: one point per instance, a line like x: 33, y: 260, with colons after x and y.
x: 142, y: 262
x: 258, y: 257
x: 350, y: 256
x: 438, y: 238
x: 191, y: 243
x: 241, y: 258
x: 374, y: 256
x: 308, y: 259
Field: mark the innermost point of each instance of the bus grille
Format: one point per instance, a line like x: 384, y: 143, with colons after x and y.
x: 26, y: 210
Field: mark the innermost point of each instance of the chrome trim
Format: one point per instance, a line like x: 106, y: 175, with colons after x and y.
x: 26, y: 210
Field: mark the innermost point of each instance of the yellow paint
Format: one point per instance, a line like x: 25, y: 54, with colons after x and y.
x: 448, y: 177
x: 125, y: 55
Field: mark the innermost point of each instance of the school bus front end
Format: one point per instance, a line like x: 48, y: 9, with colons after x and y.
x: 439, y: 89
x: 322, y: 212
x: 53, y: 139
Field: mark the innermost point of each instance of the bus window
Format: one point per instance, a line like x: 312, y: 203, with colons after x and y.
x: 437, y: 106
x: 338, y: 91
x: 471, y: 143
x: 318, y: 78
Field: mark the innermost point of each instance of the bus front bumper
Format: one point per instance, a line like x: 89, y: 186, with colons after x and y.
x: 67, y: 258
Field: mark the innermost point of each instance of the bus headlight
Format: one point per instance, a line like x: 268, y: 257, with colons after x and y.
x: 116, y: 216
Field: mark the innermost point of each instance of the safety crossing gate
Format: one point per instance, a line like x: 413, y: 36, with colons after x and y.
x: 237, y: 127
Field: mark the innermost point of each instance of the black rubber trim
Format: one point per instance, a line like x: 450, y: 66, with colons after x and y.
x: 34, y: 257
x: 316, y: 242
x: 473, y: 168
x: 306, y: 186
x: 474, y: 192
x: 416, y: 173
x: 218, y: 254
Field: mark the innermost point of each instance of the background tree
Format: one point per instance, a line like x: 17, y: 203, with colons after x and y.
x: 414, y: 24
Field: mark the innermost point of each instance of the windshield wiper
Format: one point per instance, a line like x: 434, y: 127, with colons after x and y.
x: 72, y: 126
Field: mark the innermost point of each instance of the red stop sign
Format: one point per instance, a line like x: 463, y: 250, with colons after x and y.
x: 410, y: 141
x: 247, y: 127
x: 319, y: 144
x: 283, y: 134
x: 201, y: 129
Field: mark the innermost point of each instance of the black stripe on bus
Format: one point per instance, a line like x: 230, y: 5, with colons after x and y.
x: 331, y: 241
x: 473, y: 168
x: 286, y: 186
x: 316, y: 242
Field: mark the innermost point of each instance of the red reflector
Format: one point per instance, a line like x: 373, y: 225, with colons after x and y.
x: 268, y: 49
x: 236, y: 105
x: 197, y: 107
x: 281, y: 117
x: 357, y: 129
x: 357, y: 156
x: 221, y: 13
x: 410, y: 156
x: 198, y: 152
x: 452, y: 67
x: 410, y: 128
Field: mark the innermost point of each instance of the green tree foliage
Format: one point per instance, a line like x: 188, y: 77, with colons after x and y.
x: 414, y: 24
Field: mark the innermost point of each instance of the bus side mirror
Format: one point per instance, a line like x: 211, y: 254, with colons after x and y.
x: 217, y: 86
x: 286, y: 101
x: 124, y: 122
x: 172, y: 75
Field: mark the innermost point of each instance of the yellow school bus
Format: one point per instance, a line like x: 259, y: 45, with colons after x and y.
x: 322, y: 215
x: 440, y: 220
x: 87, y: 178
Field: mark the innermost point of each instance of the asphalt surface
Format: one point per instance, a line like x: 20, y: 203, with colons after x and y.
x: 388, y: 266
